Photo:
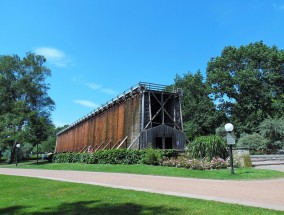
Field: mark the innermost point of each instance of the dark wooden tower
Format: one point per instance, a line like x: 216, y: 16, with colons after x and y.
x: 147, y: 115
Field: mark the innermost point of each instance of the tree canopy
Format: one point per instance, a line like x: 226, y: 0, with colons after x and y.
x: 199, y: 113
x: 247, y: 83
x: 25, y: 106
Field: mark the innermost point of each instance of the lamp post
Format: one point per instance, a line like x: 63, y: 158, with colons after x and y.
x: 230, y: 141
x: 17, y: 148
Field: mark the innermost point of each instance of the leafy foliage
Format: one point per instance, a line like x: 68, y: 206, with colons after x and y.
x: 117, y: 156
x: 273, y: 130
x: 247, y: 82
x: 24, y: 104
x: 48, y: 145
x: 209, y: 147
x: 253, y: 142
x: 151, y: 157
x: 201, y: 164
x: 199, y: 113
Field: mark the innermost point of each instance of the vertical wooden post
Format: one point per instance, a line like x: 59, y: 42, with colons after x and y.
x: 163, y: 111
x: 142, y: 110
x: 150, y: 110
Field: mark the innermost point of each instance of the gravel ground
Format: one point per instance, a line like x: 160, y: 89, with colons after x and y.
x: 258, y: 193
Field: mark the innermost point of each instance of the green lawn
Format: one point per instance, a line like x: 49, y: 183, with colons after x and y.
x: 23, y: 195
x: 224, y: 174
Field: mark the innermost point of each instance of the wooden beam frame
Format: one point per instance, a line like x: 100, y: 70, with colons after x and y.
x: 106, y: 145
x: 121, y: 142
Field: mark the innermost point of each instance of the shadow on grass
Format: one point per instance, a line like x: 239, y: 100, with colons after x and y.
x: 12, y: 210
x: 40, y: 162
x: 96, y: 207
x: 24, y: 162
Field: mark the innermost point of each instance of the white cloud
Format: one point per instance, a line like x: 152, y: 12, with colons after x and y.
x: 280, y: 7
x: 53, y: 56
x: 94, y: 86
x: 86, y: 103
x: 108, y: 91
x: 100, y: 88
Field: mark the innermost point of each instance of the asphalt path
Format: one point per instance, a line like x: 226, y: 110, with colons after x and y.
x: 258, y: 193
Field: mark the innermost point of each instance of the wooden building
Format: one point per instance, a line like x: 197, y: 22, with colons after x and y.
x: 147, y: 115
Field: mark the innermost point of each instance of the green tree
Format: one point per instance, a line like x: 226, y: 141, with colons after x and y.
x: 25, y: 104
x: 199, y: 113
x: 49, y: 144
x: 247, y: 82
x: 273, y: 130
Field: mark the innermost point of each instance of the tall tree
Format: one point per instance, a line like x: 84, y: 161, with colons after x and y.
x: 49, y: 144
x: 199, y: 114
x: 25, y: 104
x: 247, y: 82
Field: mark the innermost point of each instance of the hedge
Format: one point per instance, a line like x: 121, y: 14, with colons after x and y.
x: 117, y: 156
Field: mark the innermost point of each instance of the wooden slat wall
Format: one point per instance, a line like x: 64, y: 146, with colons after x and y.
x: 114, y: 124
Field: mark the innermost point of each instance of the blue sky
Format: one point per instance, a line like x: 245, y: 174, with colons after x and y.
x: 96, y: 49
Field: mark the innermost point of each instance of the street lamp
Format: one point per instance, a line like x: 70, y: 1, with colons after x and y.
x: 17, y: 147
x: 230, y: 141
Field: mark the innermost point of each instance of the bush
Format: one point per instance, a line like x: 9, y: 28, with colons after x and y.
x: 117, y: 156
x: 152, y: 157
x: 208, y: 146
x: 254, y: 142
x: 201, y: 164
x: 236, y: 163
x: 273, y: 131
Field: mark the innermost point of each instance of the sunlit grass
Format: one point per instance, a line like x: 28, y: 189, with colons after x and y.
x: 23, y: 195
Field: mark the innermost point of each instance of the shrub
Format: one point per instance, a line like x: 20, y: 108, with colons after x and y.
x: 208, y: 146
x: 236, y: 163
x: 253, y: 142
x: 84, y: 157
x: 218, y: 163
x: 196, y: 164
x: 152, y: 157
x: 117, y: 156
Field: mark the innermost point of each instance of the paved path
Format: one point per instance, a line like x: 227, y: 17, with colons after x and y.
x: 272, y: 167
x: 260, y: 193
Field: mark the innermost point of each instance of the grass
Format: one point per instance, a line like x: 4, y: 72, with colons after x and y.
x: 23, y: 195
x: 223, y: 174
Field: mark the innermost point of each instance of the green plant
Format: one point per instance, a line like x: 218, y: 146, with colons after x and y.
x: 254, y: 142
x: 236, y: 162
x: 151, y: 157
x: 208, y: 146
x: 273, y: 131
x: 114, y: 156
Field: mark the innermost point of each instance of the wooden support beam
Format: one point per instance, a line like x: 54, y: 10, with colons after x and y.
x: 99, y: 147
x: 122, y: 142
x: 152, y: 119
x: 106, y: 145
x: 163, y: 109
x: 134, y: 141
x: 83, y: 149
x: 173, y: 120
x: 142, y: 110
x: 150, y: 108
x: 115, y: 144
